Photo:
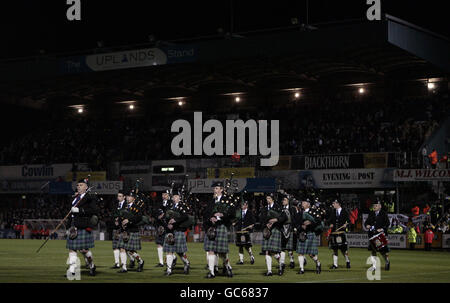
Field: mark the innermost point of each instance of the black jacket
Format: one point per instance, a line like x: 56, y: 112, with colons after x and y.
x: 116, y: 213
x: 87, y: 208
x: 339, y: 221
x: 264, y: 217
x: 159, y: 209
x: 248, y: 220
x: 298, y: 220
x: 209, y: 213
x: 182, y: 218
x: 134, y: 217
x: 380, y: 221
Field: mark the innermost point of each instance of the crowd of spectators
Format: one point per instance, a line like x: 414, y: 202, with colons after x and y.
x: 328, y: 127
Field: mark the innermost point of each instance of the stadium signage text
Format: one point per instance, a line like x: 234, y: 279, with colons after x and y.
x: 126, y: 59
x: 34, y: 171
x: 346, y: 178
x: 325, y: 162
x: 43, y: 171
x: 214, y: 143
x: 421, y: 174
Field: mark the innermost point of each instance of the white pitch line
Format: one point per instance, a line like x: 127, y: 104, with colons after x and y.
x: 388, y: 276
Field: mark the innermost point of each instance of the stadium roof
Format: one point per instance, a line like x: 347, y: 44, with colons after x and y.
x: 280, y: 59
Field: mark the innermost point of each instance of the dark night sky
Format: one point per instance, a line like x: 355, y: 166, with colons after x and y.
x: 30, y: 25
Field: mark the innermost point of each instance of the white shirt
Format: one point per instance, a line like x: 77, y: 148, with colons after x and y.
x: 121, y: 204
x: 306, y: 210
x: 81, y: 197
x: 218, y: 198
x: 339, y: 211
x: 244, y: 212
x: 270, y: 206
x: 164, y: 203
x: 73, y: 202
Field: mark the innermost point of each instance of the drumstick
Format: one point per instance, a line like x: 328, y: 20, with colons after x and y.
x: 244, y: 229
x: 340, y: 227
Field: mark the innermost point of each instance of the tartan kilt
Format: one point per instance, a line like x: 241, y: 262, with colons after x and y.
x: 159, y: 239
x: 220, y: 243
x: 246, y: 243
x: 310, y: 246
x: 273, y: 244
x: 287, y: 243
x: 179, y: 246
x: 115, y: 244
x: 84, y: 240
x: 134, y: 242
x: 332, y: 243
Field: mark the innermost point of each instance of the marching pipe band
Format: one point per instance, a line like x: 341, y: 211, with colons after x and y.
x: 288, y: 225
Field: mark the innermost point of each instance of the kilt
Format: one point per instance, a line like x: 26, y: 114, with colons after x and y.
x: 310, y: 246
x: 134, y: 242
x: 287, y: 243
x: 273, y: 244
x: 246, y: 243
x: 179, y: 246
x: 159, y: 239
x: 115, y: 244
x: 333, y: 244
x: 220, y: 243
x: 84, y: 240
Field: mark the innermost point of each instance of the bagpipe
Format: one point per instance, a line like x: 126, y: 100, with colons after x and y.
x: 183, y: 208
x: 271, y: 214
x: 316, y: 216
x: 136, y: 210
x: 227, y: 205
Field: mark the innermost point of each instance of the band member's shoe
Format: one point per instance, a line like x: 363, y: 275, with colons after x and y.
x: 122, y: 271
x: 252, y: 260
x: 333, y: 267
x: 140, y: 266
x: 186, y: 268
x: 291, y: 265
x: 168, y: 273
x: 210, y: 276
x: 268, y: 274
x: 229, y: 273
x: 239, y: 263
x: 318, y: 269
x: 281, y: 270
x: 92, y: 271
x: 348, y: 264
x: 387, y: 266
x: 159, y: 265
x: 301, y: 272
x: 131, y: 265
x: 116, y: 266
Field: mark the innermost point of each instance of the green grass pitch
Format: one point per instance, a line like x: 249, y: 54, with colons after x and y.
x: 19, y: 262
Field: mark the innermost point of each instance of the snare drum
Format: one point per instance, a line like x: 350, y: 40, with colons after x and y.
x: 378, y: 241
